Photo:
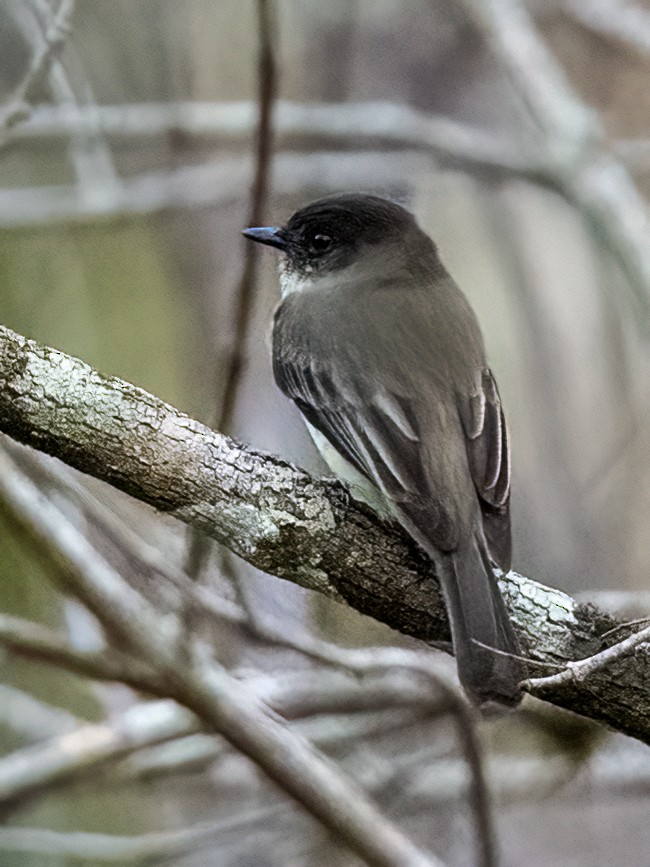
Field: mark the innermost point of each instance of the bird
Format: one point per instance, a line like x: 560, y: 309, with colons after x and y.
x: 382, y: 354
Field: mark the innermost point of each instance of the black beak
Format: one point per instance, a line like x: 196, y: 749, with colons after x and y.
x: 270, y: 235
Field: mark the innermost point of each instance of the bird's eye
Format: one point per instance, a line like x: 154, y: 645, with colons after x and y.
x: 319, y: 242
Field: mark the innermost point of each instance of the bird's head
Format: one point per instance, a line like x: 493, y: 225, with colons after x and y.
x: 357, y: 231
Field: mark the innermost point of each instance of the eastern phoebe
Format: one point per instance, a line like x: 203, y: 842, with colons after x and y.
x: 384, y: 357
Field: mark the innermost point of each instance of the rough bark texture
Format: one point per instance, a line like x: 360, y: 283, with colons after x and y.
x: 289, y: 524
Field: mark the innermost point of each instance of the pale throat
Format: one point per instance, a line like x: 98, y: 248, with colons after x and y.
x: 372, y: 264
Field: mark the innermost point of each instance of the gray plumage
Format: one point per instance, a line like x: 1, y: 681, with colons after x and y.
x: 384, y: 357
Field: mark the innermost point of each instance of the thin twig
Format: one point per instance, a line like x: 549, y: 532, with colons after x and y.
x: 70, y: 755
x: 34, y: 641
x: 577, y: 672
x: 267, y: 86
x: 222, y: 703
x: 450, y: 700
x: 138, y: 848
x: 18, y: 106
x: 199, y: 545
x: 572, y: 140
x: 624, y: 22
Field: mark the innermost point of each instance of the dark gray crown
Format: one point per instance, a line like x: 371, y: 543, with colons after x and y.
x: 329, y: 231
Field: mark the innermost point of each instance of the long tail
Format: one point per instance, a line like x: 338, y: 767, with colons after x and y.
x: 477, y: 613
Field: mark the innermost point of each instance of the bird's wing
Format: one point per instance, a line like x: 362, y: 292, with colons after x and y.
x: 374, y: 425
x: 410, y: 444
x: 489, y: 462
x: 370, y: 428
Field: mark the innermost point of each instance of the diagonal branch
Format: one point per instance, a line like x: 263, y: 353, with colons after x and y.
x: 38, y: 768
x: 572, y: 139
x: 34, y: 641
x: 198, y: 683
x: 276, y: 517
x: 289, y: 524
x: 18, y: 107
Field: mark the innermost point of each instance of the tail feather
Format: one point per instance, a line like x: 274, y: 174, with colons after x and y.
x: 477, y: 613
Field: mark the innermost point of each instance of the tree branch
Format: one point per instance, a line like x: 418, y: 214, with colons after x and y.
x: 18, y: 107
x: 30, y: 718
x: 274, y: 516
x: 289, y: 524
x: 297, y: 126
x: 72, y: 754
x: 34, y: 641
x: 572, y: 141
x: 245, y: 291
x: 79, y: 749
x: 197, y: 682
x: 141, y: 848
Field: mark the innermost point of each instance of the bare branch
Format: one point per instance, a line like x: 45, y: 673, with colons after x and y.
x: 72, y: 754
x: 205, y: 185
x: 578, y: 672
x: 623, y: 21
x: 297, y: 126
x: 31, y: 719
x: 122, y: 746
x: 285, y: 522
x: 137, y: 848
x: 18, y: 107
x: 571, y: 156
x: 218, y: 699
x: 325, y: 693
x: 514, y: 780
x: 567, y: 125
x: 572, y: 141
x: 445, y: 695
x: 244, y: 293
x: 33, y: 641
x: 80, y: 749
x: 262, y: 508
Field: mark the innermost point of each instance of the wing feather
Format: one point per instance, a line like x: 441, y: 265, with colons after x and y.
x: 395, y: 436
x: 488, y: 452
x: 373, y: 428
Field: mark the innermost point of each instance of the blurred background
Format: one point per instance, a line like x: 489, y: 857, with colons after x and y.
x: 519, y: 134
